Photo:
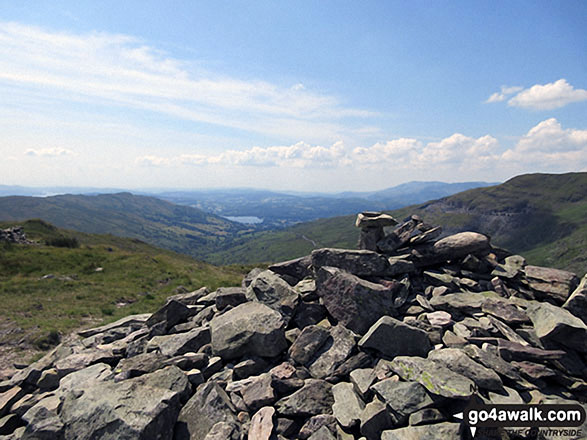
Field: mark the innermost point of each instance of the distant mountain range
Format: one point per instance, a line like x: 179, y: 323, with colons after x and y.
x: 272, y: 210
x: 542, y: 216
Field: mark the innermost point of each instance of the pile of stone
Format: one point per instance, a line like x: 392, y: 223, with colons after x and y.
x: 14, y: 235
x: 387, y: 342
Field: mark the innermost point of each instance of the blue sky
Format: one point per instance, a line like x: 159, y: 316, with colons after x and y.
x: 301, y: 95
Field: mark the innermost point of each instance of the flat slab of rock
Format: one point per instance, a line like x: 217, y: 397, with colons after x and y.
x: 314, y: 398
x: 271, y: 290
x: 557, y: 324
x: 335, y: 350
x: 463, y: 303
x: 374, y: 220
x: 354, y: 302
x: 426, y: 432
x: 435, y: 377
x: 298, y: 268
x: 403, y: 397
x: 555, y: 284
x: 457, y: 361
x: 143, y: 408
x: 262, y: 424
x: 251, y: 328
x: 392, y: 338
x: 348, y: 406
x: 209, y: 406
x: 360, y: 263
x: 452, y: 247
x: 128, y: 321
x: 180, y: 343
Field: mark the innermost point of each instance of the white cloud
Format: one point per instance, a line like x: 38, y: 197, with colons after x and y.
x: 299, y: 155
x: 395, y: 151
x: 121, y: 70
x: 49, y: 152
x: 503, y: 94
x: 550, y: 147
x: 548, y: 96
x: 456, y: 149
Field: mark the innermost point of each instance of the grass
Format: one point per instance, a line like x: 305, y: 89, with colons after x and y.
x: 46, y: 289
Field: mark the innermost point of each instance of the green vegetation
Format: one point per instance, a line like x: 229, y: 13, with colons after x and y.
x: 47, y: 290
x: 162, y: 224
x: 540, y: 216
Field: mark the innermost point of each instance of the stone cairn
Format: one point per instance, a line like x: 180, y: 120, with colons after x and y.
x: 388, y: 342
x: 14, y: 235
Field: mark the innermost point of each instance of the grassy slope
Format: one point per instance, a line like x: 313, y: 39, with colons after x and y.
x: 163, y: 224
x: 133, y: 272
x: 543, y: 217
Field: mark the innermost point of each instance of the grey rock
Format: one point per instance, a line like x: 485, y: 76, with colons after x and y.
x: 172, y: 313
x: 435, y: 377
x: 359, y: 263
x: 335, y: 350
x: 322, y: 434
x: 259, y: 392
x: 314, y: 423
x: 439, y: 318
x: 348, y: 406
x: 452, y: 247
x: 189, y: 298
x: 375, y: 419
x: 8, y: 398
x: 403, y: 398
x: 307, y: 344
x: 42, y: 420
x: 297, y: 269
x: 368, y: 219
x: 556, y: 324
x: 391, y: 338
x: 457, y: 361
x: 354, y: 302
x: 577, y: 302
x: 314, y: 398
x: 505, y: 311
x: 223, y: 431
x: 399, y: 265
x: 132, y: 321
x: 399, y: 237
x: 427, y: 432
x: 9, y: 423
x: 492, y: 361
x: 140, y: 364
x: 230, y: 296
x: 426, y: 416
x: 207, y: 407
x: 271, y: 290
x: 309, y: 314
x: 251, y: 328
x: 362, y: 379
x: 460, y: 303
x: 511, y: 351
x: 143, y: 408
x: 554, y: 284
x: 180, y: 343
x: 78, y: 361
x: 507, y: 396
x: 262, y: 424
x: 249, y: 367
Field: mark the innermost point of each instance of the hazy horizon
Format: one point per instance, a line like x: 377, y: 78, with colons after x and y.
x: 321, y: 97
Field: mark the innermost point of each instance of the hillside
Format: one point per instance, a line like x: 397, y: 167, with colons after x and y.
x: 542, y: 216
x: 179, y: 228
x: 46, y: 290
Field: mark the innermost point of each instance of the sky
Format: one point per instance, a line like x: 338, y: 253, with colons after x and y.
x: 290, y: 95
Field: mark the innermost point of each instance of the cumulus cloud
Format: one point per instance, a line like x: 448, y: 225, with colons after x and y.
x: 49, y: 152
x: 540, y: 96
x: 299, y: 155
x: 551, y: 146
x: 456, y: 148
x: 398, y: 151
x: 548, y: 96
x: 503, y: 94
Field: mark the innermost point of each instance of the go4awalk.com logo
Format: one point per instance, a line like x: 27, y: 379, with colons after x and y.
x: 566, y: 419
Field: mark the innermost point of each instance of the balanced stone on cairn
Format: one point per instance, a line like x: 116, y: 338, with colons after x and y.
x: 372, y: 224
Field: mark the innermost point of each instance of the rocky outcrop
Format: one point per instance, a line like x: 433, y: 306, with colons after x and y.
x: 14, y: 235
x: 387, y: 342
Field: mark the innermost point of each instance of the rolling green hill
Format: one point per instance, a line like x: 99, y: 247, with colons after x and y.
x: 50, y: 289
x: 180, y: 228
x: 541, y: 216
